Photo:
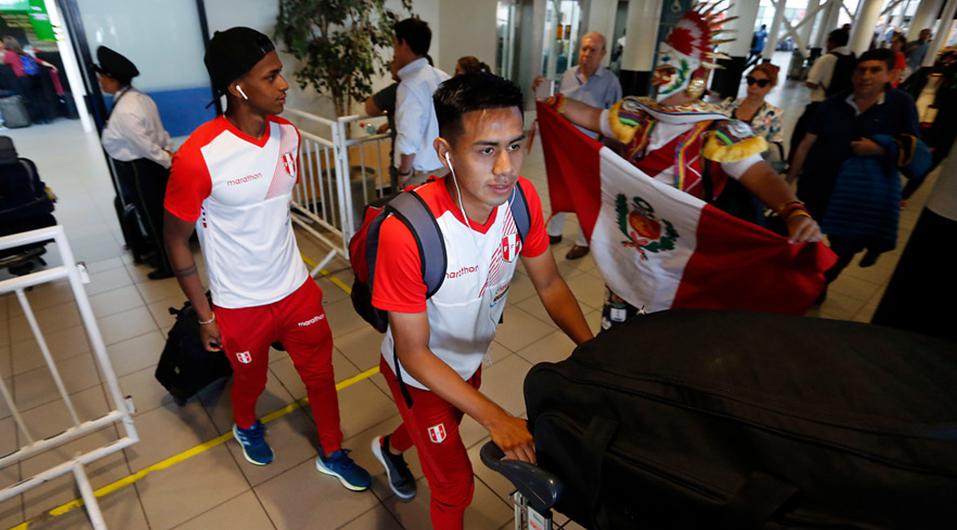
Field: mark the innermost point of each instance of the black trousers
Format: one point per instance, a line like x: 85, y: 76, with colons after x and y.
x: 31, y: 89
x: 800, y: 128
x: 147, y: 181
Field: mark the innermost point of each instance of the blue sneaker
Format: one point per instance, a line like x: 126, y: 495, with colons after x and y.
x: 339, y: 465
x: 253, y: 442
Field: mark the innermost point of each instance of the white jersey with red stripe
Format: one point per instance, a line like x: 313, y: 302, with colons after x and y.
x: 481, y: 260
x: 238, y: 190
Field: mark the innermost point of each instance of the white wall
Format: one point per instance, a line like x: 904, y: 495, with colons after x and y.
x: 467, y: 27
x: 459, y: 27
x: 261, y: 15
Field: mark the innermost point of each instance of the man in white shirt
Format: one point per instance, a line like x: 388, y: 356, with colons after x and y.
x: 821, y: 75
x: 140, y: 147
x: 592, y: 84
x: 823, y: 83
x: 415, y: 123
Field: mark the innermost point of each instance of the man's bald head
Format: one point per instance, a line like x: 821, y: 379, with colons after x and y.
x: 591, y: 52
x: 598, y: 36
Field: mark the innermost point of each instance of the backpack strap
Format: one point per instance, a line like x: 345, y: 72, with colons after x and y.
x: 520, y: 214
x: 411, y: 209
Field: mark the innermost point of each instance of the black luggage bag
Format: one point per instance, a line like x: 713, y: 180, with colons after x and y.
x: 25, y: 204
x: 185, y: 367
x: 136, y: 242
x: 700, y: 419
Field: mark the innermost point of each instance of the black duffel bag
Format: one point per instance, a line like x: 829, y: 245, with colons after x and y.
x: 185, y: 367
x: 700, y: 419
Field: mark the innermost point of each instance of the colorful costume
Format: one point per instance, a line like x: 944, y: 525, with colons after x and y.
x: 694, y: 147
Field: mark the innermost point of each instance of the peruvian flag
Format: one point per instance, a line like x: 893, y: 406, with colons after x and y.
x: 660, y: 248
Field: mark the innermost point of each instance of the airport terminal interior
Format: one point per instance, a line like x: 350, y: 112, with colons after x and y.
x: 186, y: 471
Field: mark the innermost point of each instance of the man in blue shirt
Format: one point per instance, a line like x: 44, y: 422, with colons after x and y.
x: 917, y: 50
x: 850, y: 157
x: 595, y: 85
x: 757, y: 46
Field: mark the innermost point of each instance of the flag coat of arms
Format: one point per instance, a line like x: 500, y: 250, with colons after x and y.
x: 660, y: 248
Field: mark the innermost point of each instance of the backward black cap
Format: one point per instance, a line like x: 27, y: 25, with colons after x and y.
x: 232, y: 53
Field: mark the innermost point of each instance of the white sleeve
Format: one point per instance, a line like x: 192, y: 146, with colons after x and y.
x: 736, y: 169
x: 409, y: 115
x: 111, y: 139
x: 605, y: 126
x: 814, y: 75
x: 131, y: 130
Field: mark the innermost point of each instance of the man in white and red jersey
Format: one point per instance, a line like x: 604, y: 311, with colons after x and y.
x: 233, y: 181
x: 432, y: 353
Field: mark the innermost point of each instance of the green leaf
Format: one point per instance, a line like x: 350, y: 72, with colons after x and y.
x: 340, y: 44
x: 621, y: 208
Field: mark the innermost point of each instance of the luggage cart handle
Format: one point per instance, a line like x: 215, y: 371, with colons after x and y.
x: 539, y: 487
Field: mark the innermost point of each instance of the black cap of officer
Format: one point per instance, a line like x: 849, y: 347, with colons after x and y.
x: 115, y: 65
x: 232, y: 53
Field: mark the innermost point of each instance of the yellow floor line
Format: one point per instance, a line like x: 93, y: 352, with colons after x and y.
x: 185, y: 455
x: 329, y: 276
x: 205, y: 446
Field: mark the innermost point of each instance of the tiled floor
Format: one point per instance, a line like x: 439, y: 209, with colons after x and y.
x: 218, y: 489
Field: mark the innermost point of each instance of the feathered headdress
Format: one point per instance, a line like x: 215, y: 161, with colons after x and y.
x: 697, y: 31
x: 690, y: 46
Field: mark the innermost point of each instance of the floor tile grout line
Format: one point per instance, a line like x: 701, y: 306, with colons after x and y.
x: 490, y: 488
x: 382, y: 505
x: 236, y: 463
x: 191, y: 452
x: 159, y: 329
x: 263, y: 505
x: 204, y: 512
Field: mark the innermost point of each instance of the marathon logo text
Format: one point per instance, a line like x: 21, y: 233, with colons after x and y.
x: 311, y: 321
x: 243, y: 180
x: 461, y: 272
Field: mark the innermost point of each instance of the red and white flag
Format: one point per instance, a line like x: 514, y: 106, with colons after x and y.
x: 660, y: 248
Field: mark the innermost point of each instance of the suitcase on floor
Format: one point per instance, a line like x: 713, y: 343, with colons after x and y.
x: 185, y: 367
x: 14, y: 112
x: 733, y: 420
x: 136, y: 242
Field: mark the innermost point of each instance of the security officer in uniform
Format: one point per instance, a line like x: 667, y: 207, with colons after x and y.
x: 141, y: 150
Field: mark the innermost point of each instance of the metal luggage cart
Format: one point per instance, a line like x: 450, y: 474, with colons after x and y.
x: 536, y: 492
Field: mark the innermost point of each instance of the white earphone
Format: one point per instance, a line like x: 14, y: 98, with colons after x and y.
x: 241, y: 93
x: 448, y: 159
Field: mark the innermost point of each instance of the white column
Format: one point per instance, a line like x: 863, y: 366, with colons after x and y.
x: 828, y: 22
x: 808, y: 27
x: 530, y: 50
x: 898, y: 20
x: 64, y: 45
x: 862, y: 31
x: 775, y: 30
x: 552, y: 65
x: 943, y: 31
x: 641, y: 35
x: 924, y: 17
x: 601, y: 18
x: 743, y: 27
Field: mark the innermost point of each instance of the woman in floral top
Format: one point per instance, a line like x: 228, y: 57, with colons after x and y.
x: 763, y: 117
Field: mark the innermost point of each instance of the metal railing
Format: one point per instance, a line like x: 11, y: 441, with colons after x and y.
x: 122, y: 408
x: 342, y: 168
